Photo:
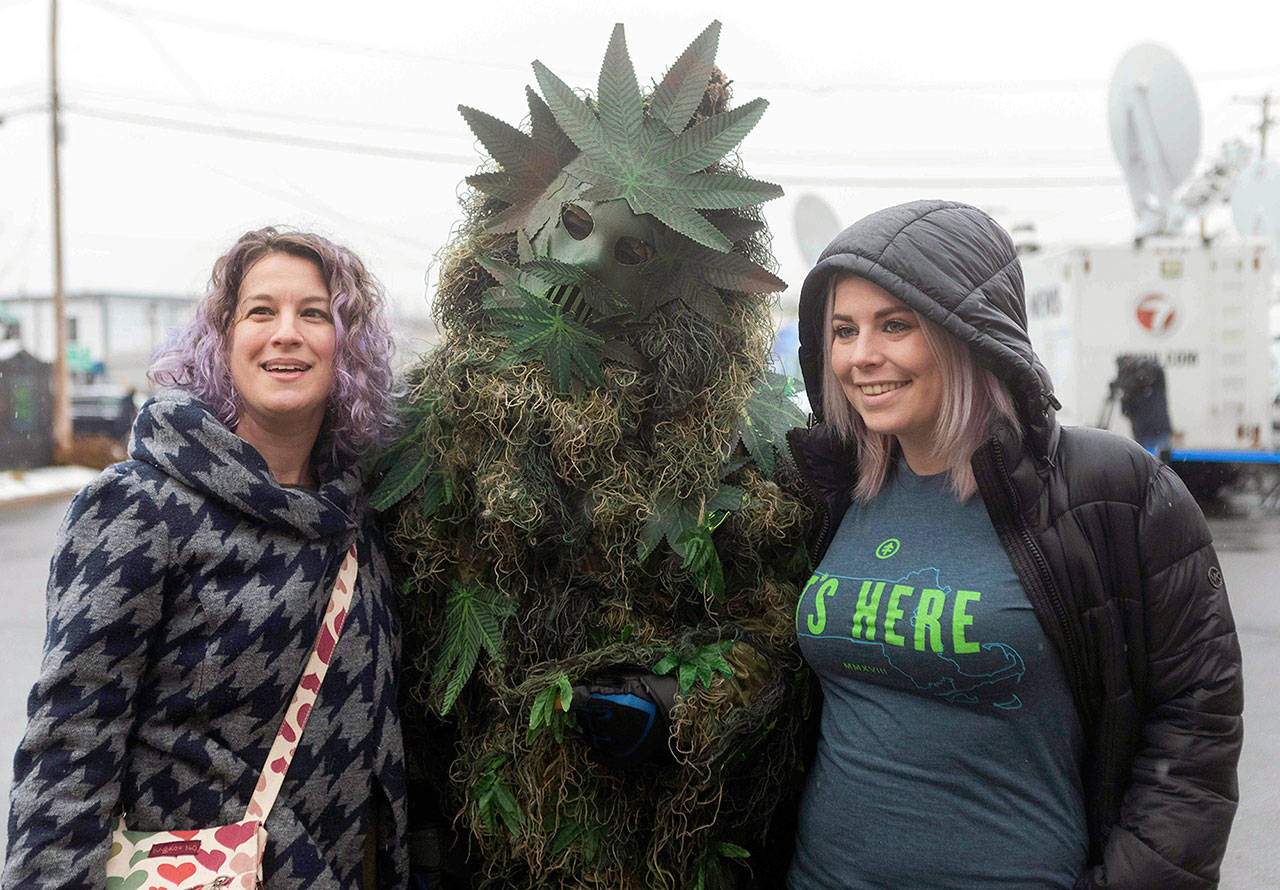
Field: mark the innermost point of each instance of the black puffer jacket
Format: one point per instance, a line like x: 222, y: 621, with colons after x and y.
x: 1113, y: 552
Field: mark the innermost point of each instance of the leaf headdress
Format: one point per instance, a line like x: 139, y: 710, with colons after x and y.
x: 650, y: 154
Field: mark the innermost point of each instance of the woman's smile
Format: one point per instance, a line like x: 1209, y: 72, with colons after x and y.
x: 885, y: 367
x: 282, y: 346
x: 877, y: 389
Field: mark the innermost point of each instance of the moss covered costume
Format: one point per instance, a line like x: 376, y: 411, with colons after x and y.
x: 589, y: 482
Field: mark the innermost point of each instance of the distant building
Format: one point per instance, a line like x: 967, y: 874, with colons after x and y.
x: 25, y: 406
x: 112, y: 333
x: 116, y: 334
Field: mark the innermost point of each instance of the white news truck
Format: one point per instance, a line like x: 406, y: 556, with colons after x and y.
x: 1201, y: 311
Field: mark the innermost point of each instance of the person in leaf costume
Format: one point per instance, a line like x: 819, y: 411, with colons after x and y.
x: 598, y: 538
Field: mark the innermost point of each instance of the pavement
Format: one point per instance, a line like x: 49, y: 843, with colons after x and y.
x: 20, y: 488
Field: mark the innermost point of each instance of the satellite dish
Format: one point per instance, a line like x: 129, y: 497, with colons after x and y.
x: 816, y: 225
x: 1255, y: 202
x: 1154, y: 117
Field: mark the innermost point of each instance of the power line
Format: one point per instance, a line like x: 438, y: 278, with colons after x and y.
x: 865, y: 181
x: 188, y: 82
x: 306, y: 202
x: 159, y: 99
x: 28, y: 87
x: 977, y: 181
x: 24, y: 109
x: 293, y: 39
x: 1023, y: 85
x: 147, y: 120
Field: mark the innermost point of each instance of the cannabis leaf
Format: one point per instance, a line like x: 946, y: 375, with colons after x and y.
x: 680, y: 92
x: 688, y: 527
x: 538, y: 330
x: 699, y: 665
x: 684, y: 270
x: 671, y: 518
x: 712, y: 874
x: 532, y: 178
x: 550, y: 709
x: 474, y: 618
x: 565, y: 836
x: 409, y: 469
x: 734, y: 225
x: 766, y: 418
x: 570, y: 831
x: 437, y: 492
x: 495, y: 801
x: 550, y: 274
x: 653, y: 163
x: 402, y: 466
x: 700, y: 556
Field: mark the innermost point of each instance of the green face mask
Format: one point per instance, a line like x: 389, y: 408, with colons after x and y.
x: 604, y: 238
x: 619, y: 205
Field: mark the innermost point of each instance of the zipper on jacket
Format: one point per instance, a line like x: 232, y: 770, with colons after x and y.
x: 820, y: 542
x: 1014, y: 530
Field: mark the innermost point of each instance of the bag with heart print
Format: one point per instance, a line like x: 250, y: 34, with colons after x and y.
x: 230, y: 856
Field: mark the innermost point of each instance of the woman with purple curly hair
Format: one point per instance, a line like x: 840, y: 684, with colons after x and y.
x: 359, y: 409
x: 190, y: 583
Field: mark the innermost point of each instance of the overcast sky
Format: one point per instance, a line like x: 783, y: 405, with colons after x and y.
x: 1000, y: 104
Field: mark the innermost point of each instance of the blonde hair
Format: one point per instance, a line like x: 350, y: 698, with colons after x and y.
x: 971, y: 396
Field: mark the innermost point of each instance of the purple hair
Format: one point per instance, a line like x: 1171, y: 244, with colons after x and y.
x: 360, y: 414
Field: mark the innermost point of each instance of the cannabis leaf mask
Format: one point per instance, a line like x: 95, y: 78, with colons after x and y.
x: 621, y: 186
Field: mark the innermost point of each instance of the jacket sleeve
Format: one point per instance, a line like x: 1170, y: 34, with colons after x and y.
x: 104, y: 603
x: 1182, y: 793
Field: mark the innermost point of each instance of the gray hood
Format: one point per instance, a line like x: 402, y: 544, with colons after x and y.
x: 956, y: 266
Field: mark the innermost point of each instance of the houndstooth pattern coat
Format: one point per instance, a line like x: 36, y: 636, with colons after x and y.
x: 184, y: 599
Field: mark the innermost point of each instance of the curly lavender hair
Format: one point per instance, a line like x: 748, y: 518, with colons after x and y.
x: 360, y: 414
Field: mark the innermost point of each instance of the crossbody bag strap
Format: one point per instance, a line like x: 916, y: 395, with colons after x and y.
x: 295, y: 718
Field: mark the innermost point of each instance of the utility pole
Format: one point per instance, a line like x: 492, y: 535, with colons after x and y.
x: 61, y: 382
x: 1267, y: 120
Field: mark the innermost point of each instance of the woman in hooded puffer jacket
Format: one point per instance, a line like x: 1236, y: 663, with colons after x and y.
x: 1029, y: 668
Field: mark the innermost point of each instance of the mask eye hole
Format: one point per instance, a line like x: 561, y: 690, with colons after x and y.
x: 631, y: 251
x: 576, y: 221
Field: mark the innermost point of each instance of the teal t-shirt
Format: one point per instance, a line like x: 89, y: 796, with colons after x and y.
x: 950, y: 748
